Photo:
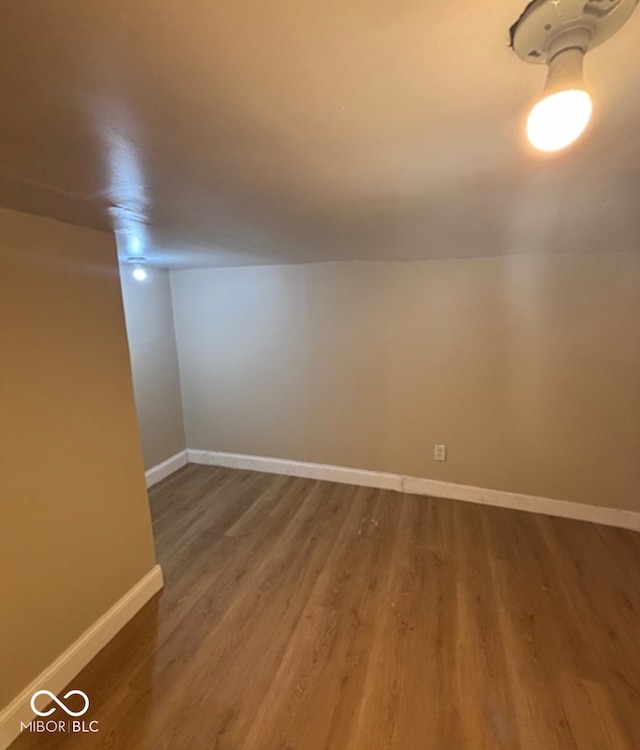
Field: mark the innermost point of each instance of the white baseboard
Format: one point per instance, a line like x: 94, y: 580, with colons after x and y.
x: 161, y: 471
x: 67, y: 666
x: 625, y: 519
x: 341, y: 474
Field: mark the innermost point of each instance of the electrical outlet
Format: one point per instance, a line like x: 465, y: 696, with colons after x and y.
x: 439, y: 452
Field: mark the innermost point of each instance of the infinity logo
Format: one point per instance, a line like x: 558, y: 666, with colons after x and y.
x: 62, y: 706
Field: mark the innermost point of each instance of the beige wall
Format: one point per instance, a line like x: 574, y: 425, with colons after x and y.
x: 75, y: 532
x: 527, y: 367
x: 154, y: 364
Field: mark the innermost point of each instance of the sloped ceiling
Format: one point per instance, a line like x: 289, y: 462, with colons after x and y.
x: 229, y: 132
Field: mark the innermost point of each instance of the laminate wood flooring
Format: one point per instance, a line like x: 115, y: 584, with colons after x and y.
x: 306, y: 615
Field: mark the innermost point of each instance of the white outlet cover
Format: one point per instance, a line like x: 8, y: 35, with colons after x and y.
x: 439, y: 452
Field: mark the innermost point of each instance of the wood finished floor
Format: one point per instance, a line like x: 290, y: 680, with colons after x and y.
x: 304, y: 615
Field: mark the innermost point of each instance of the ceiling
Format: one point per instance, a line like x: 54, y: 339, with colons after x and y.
x: 233, y: 132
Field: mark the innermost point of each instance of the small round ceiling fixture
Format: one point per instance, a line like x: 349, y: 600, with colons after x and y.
x: 559, y: 33
x: 139, y: 272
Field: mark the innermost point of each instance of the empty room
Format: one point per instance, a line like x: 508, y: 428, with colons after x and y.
x: 320, y: 375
